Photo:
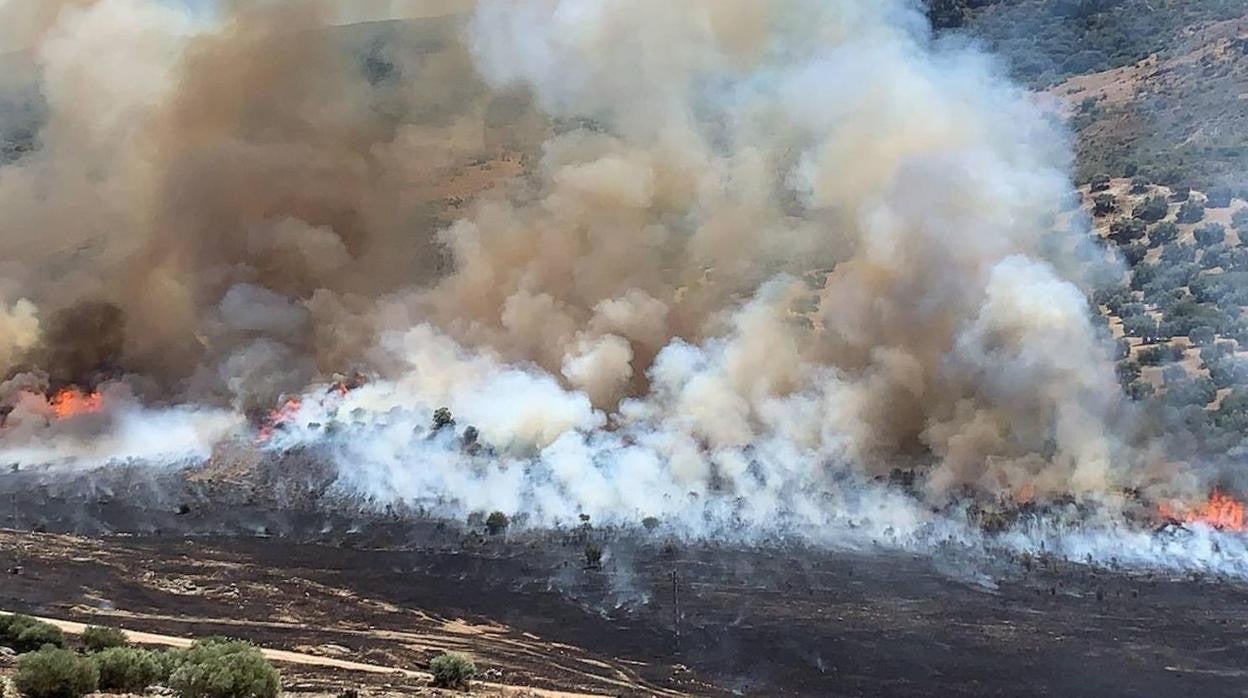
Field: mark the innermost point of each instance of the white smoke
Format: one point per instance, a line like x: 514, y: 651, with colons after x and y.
x: 768, y: 253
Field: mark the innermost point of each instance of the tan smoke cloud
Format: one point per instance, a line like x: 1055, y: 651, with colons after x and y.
x: 743, y: 228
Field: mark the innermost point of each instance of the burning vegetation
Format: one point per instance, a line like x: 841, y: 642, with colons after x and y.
x: 656, y: 294
x: 71, y: 402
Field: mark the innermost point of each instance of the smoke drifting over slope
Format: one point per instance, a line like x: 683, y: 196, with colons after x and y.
x: 764, y: 252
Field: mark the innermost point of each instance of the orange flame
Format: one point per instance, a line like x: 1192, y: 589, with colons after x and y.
x: 1221, y: 511
x: 71, y: 402
x: 282, y: 415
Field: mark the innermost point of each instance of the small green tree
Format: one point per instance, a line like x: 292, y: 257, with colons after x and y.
x: 1240, y: 219
x: 1210, y: 234
x: 127, y: 669
x: 218, y: 668
x: 1163, y: 233
x: 55, y: 673
x: 1201, y: 335
x: 26, y: 634
x: 452, y: 670
x: 1104, y: 204
x: 1218, y: 197
x: 1140, y: 184
x: 496, y: 523
x: 1152, y: 209
x: 97, y: 638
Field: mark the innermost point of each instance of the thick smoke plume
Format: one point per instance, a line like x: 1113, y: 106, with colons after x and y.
x: 724, y: 260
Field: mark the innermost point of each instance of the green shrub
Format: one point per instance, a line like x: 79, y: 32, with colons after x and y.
x: 126, y: 669
x: 452, y: 670
x: 1163, y: 233
x: 1192, y: 211
x: 1140, y: 184
x: 1152, y: 209
x: 168, y: 660
x: 1127, y: 230
x: 1218, y: 197
x: 1201, y: 335
x: 1104, y: 204
x: 26, y: 634
x: 217, y: 668
x: 55, y: 673
x: 97, y: 638
x: 1099, y: 182
x: 1240, y: 219
x: 1210, y: 234
x: 1159, y: 354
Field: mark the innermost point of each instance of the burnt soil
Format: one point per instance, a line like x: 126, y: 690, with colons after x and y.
x: 159, y: 553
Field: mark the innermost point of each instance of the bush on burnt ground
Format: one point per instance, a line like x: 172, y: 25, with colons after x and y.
x: 496, y: 523
x: 1210, y: 234
x: 126, y: 669
x: 1100, y: 182
x: 26, y: 634
x: 1152, y: 209
x: 220, y: 668
x: 1140, y: 184
x: 55, y: 673
x: 97, y: 638
x: 452, y: 670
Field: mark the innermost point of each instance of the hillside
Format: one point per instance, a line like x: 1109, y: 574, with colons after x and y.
x: 1152, y: 86
x: 1177, y: 316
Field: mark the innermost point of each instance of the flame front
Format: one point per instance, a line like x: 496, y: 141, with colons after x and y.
x: 282, y: 415
x: 1221, y: 511
x: 71, y: 402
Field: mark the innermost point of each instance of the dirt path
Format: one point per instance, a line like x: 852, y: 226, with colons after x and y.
x: 284, y: 656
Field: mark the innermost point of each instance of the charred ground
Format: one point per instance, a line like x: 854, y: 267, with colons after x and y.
x: 782, y: 619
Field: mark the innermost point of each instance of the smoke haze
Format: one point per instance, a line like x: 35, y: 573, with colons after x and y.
x: 722, y: 262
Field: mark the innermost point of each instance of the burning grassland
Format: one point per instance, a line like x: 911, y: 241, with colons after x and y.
x: 723, y: 265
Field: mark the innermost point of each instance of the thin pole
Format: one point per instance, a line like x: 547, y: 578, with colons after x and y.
x: 676, y: 609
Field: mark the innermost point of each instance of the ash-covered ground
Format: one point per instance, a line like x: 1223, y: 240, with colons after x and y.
x: 180, y: 552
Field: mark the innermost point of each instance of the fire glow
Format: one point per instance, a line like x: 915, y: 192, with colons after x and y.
x: 282, y: 415
x: 1221, y: 512
x: 72, y: 402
